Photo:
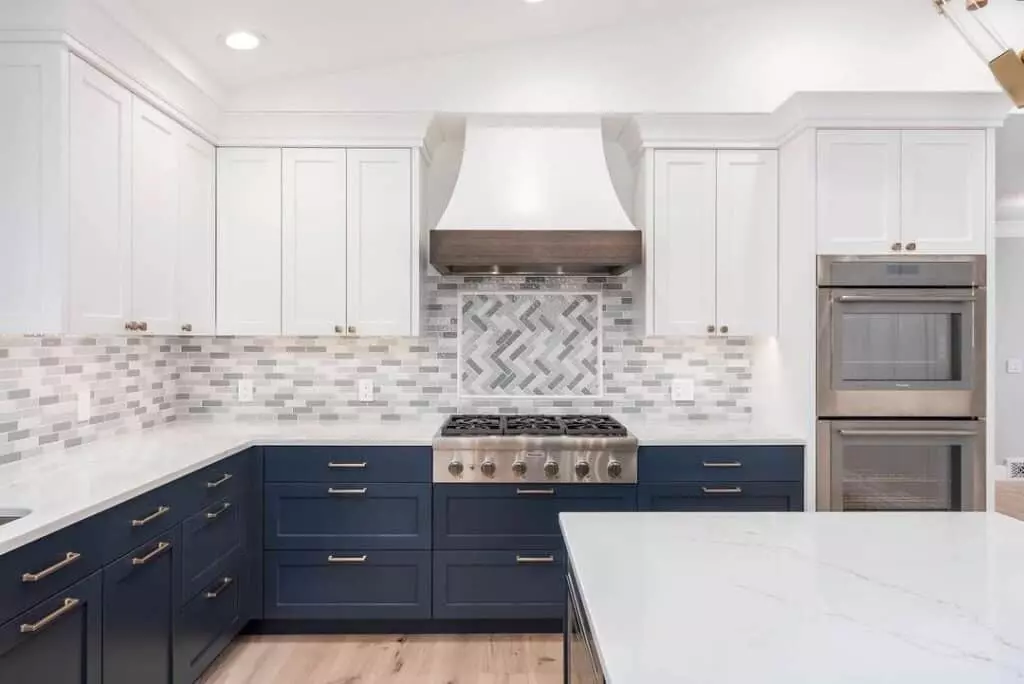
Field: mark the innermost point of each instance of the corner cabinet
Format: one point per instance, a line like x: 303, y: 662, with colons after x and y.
x: 884, y: 192
x: 713, y: 260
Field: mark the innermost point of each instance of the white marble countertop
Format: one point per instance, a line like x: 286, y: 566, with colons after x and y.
x: 712, y: 433
x: 802, y: 598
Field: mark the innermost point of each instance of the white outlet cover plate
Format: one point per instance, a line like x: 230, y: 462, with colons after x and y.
x: 366, y: 390
x: 1015, y: 366
x: 682, y: 389
x: 84, y: 406
x: 246, y: 390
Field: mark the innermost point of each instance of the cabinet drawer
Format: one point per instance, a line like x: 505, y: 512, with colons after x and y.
x: 331, y: 516
x: 723, y: 496
x: 227, y: 478
x: 525, y: 516
x: 499, y: 584
x: 208, y: 537
x: 714, y: 463
x: 135, y: 522
x: 35, y: 572
x: 208, y: 622
x: 365, y: 584
x: 347, y: 464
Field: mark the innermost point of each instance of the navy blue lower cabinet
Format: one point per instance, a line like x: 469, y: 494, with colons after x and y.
x: 348, y: 464
x: 524, y: 584
x: 364, y: 584
x: 738, y: 463
x: 58, y: 641
x: 500, y: 516
x: 207, y: 538
x: 138, y: 613
x: 360, y: 516
x: 209, y: 621
x: 722, y: 497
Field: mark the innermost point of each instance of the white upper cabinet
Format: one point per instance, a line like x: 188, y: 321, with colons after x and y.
x: 748, y: 243
x: 314, y: 242
x: 248, y: 241
x: 101, y: 207
x: 196, y: 268
x: 944, y: 191
x: 381, y: 260
x: 154, y: 226
x: 858, y: 191
x: 684, y: 254
x: 884, y: 192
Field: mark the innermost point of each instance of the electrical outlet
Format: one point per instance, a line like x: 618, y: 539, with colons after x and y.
x: 1014, y: 366
x: 246, y: 391
x: 366, y: 391
x: 84, y: 408
x: 682, y: 389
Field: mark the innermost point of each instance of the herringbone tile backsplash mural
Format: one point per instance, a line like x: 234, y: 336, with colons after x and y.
x: 140, y: 382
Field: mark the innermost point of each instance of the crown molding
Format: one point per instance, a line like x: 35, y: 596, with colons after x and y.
x: 329, y: 129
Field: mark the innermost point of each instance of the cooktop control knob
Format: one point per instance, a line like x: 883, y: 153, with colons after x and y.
x: 615, y: 469
x: 488, y: 468
x: 582, y: 469
x: 551, y: 469
x: 455, y: 468
x: 519, y: 468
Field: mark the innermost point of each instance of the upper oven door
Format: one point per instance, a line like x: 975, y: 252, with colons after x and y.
x: 901, y: 353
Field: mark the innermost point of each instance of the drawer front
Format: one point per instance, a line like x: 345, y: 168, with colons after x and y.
x: 65, y: 647
x: 135, y: 522
x: 227, y: 478
x: 36, y: 572
x: 723, y: 497
x: 499, y: 516
x: 208, y: 622
x: 331, y: 516
x: 714, y: 463
x: 347, y: 464
x: 525, y: 584
x: 208, y: 537
x: 364, y: 584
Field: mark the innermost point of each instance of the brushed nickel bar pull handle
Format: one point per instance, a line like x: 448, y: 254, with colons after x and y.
x: 69, y: 558
x: 535, y: 492
x: 332, y: 464
x: 907, y: 298
x: 224, y: 584
x: 722, y: 490
x: 217, y: 483
x: 160, y: 548
x: 722, y: 464
x: 346, y: 559
x: 909, y: 433
x: 347, y: 492
x: 525, y: 560
x: 223, y: 509
x: 150, y: 518
x: 69, y: 605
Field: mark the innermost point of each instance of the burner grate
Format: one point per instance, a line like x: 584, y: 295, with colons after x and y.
x: 533, y: 426
x: 473, y: 426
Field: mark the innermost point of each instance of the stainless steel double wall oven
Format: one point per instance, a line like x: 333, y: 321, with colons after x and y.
x: 901, y: 383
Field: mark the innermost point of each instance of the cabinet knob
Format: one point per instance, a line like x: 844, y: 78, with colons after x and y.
x: 130, y: 325
x: 724, y: 330
x: 711, y: 329
x: 187, y: 327
x: 911, y: 246
x: 143, y: 326
x: 339, y: 329
x: 351, y: 330
x: 897, y: 246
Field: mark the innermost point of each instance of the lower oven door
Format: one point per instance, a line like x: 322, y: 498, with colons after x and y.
x: 582, y: 665
x: 901, y: 465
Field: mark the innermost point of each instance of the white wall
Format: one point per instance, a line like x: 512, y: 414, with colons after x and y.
x: 1009, y: 344
x: 715, y: 57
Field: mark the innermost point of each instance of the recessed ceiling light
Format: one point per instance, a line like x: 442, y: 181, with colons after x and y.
x: 242, y: 40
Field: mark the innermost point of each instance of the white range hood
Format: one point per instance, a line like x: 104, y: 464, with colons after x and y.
x: 534, y: 196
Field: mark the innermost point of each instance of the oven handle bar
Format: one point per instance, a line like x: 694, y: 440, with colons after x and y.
x: 908, y: 433
x: 920, y: 299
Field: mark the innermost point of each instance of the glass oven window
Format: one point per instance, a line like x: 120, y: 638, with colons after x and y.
x: 901, y: 477
x: 912, y: 347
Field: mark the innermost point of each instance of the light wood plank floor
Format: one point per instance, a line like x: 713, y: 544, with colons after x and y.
x: 426, y: 659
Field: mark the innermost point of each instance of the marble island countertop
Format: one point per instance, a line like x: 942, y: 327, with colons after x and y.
x: 794, y: 598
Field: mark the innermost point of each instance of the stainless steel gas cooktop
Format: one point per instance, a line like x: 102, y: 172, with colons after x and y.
x: 534, y: 448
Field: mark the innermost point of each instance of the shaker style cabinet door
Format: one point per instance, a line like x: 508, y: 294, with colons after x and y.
x: 154, y: 219
x: 858, y: 192
x: 748, y: 243
x: 684, y: 234
x: 944, y: 191
x: 196, y: 272
x: 381, y: 260
x: 248, y: 241
x: 314, y: 242
x: 101, y: 202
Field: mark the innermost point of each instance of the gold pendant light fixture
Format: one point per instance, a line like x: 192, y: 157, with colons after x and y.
x: 974, y: 23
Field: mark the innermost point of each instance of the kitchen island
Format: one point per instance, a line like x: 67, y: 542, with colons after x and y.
x: 796, y: 598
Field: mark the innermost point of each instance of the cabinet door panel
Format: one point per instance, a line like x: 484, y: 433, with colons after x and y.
x: 154, y: 218
x: 381, y: 262
x: 314, y: 241
x: 944, y: 191
x: 197, y: 236
x: 206, y: 624
x: 248, y: 241
x: 748, y: 243
x: 858, y: 192
x: 684, y: 237
x: 499, y: 584
x: 715, y: 497
x: 101, y: 156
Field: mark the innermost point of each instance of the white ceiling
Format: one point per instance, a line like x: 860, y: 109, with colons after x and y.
x: 321, y: 36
